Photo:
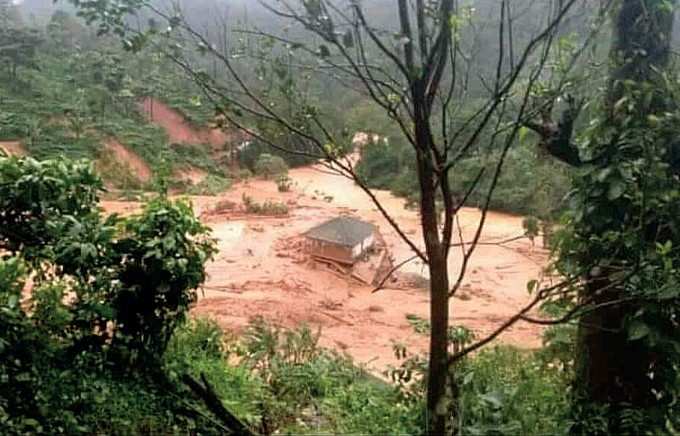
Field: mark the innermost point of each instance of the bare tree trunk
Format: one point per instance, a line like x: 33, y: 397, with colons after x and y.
x: 438, y: 406
x: 438, y: 400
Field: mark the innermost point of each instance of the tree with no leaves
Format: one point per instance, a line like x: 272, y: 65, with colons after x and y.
x: 423, y: 72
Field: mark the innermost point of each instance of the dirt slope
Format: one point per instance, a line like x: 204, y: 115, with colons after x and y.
x: 129, y: 158
x: 13, y: 148
x: 180, y: 130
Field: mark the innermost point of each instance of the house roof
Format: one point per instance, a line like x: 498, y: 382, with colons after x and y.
x: 344, y: 230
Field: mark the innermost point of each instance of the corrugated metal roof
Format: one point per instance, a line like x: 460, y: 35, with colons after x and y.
x: 344, y: 230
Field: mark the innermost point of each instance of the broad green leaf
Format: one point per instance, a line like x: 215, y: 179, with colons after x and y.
x: 638, y: 330
x: 616, y: 189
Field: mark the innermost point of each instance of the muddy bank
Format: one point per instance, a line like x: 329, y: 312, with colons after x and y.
x: 260, y: 272
x: 255, y: 274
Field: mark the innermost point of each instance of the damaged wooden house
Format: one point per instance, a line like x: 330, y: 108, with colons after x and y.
x: 344, y: 240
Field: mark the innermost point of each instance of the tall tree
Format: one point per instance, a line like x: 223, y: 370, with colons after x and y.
x: 18, y: 43
x: 623, y: 231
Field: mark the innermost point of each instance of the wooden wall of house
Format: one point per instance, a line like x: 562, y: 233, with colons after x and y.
x: 330, y: 251
x: 361, y: 248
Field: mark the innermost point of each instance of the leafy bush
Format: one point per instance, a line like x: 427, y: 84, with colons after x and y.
x: 307, y: 389
x: 199, y: 347
x: 129, y: 284
x: 528, y: 185
x: 269, y: 207
x: 505, y: 391
x: 163, y: 254
x: 284, y: 183
x: 19, y: 343
x: 381, y: 162
x: 280, y: 380
x: 250, y: 154
x: 269, y: 166
x: 197, y: 337
x: 210, y: 185
x: 38, y: 197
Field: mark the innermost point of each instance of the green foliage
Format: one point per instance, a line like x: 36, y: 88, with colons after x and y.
x: 18, y: 345
x: 249, y: 155
x: 280, y: 380
x: 125, y: 178
x: 284, y: 183
x: 622, y: 228
x: 85, y: 91
x: 323, y: 390
x: 197, y: 337
x: 164, y: 251
x: 457, y: 335
x: 529, y: 184
x: 195, y: 156
x: 531, y: 227
x: 107, y: 294
x: 38, y: 198
x: 270, y: 167
x: 244, y: 174
x: 18, y: 45
x: 504, y: 391
x: 281, y: 360
x: 381, y: 163
x: 210, y: 185
x: 269, y: 207
x: 189, y: 103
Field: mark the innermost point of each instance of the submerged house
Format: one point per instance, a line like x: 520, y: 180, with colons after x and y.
x: 343, y: 239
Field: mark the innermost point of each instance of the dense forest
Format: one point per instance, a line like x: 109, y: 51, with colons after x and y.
x: 156, y: 158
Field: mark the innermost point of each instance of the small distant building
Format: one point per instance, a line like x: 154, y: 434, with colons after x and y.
x: 343, y: 240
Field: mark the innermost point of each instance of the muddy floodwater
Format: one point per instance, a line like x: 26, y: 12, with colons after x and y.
x: 260, y: 269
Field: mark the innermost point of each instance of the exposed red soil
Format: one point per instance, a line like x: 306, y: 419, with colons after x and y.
x: 180, y: 130
x: 128, y: 157
x: 13, y: 148
x: 260, y: 270
x: 192, y: 175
